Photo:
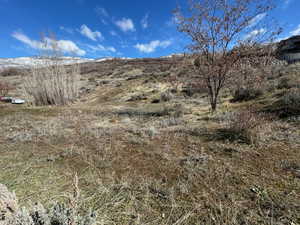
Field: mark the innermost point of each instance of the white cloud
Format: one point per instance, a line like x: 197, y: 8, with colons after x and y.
x: 296, y: 31
x: 65, y: 46
x: 68, y: 46
x: 144, y: 21
x: 125, y: 24
x: 102, y: 48
x: 152, y: 46
x: 101, y: 11
x: 255, y: 33
x: 113, y: 33
x: 104, y: 21
x: 257, y: 19
x: 23, y: 38
x: 66, y: 29
x: 93, y: 35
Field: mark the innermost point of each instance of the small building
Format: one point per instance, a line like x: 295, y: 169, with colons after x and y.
x: 289, y: 49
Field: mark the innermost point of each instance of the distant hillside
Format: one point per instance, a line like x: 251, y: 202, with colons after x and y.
x: 25, y: 62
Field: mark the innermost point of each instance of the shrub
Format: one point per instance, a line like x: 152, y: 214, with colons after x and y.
x: 166, y: 96
x: 197, y: 87
x: 53, y: 84
x: 246, y: 94
x: 5, y: 88
x: 92, y: 79
x: 176, y: 110
x: 247, y: 126
x: 171, y: 121
x: 8, y: 202
x: 10, y: 72
x: 290, y: 103
x: 284, y: 83
x: 58, y: 214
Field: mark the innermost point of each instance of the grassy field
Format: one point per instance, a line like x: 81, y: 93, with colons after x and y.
x: 146, y: 153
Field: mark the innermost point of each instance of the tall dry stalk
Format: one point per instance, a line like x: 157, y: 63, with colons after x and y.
x: 49, y: 82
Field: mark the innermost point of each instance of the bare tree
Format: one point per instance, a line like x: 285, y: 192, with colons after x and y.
x: 221, y: 32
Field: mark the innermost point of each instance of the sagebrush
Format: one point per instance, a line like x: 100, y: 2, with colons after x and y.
x: 57, y: 214
x: 290, y: 103
x: 248, y: 126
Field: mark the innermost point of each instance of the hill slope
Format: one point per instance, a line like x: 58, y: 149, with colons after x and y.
x: 148, y: 151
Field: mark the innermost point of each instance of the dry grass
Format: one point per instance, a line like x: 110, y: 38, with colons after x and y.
x: 144, y: 163
x: 130, y: 173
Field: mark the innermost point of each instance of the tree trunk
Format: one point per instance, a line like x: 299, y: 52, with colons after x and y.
x: 213, y: 98
x: 213, y: 104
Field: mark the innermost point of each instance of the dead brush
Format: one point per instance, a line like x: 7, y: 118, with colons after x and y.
x: 5, y: 88
x: 50, y: 82
x: 248, y: 127
x: 290, y: 103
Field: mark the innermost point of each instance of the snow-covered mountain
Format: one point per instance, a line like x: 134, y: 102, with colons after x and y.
x: 25, y: 62
x: 172, y: 55
x: 111, y: 58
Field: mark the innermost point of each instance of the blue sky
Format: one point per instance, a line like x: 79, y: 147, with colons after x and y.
x: 106, y: 28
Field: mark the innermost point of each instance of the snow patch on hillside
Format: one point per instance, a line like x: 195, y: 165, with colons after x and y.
x: 27, y: 62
